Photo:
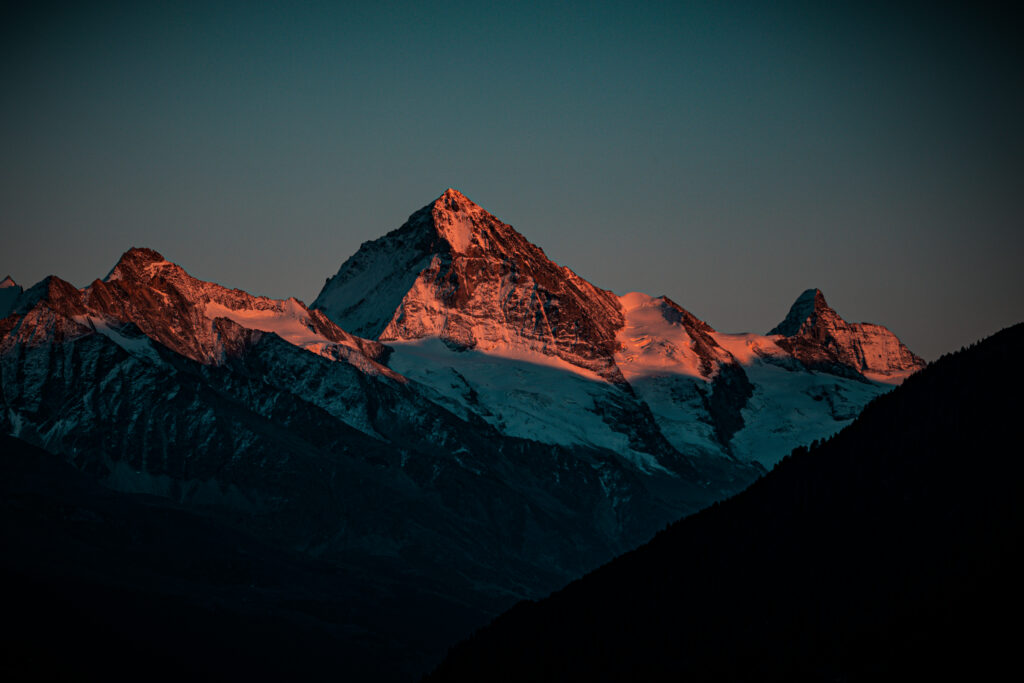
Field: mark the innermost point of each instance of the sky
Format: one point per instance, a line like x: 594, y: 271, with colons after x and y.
x: 727, y: 155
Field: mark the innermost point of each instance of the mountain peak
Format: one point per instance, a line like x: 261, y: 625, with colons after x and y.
x: 136, y: 262
x: 451, y: 194
x: 810, y: 302
x: 820, y: 338
x: 142, y: 255
x: 8, y: 282
x: 457, y: 219
x: 456, y: 272
x: 59, y: 295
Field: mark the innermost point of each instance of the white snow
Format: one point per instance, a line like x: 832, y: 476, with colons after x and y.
x: 140, y: 347
x: 290, y: 321
x: 894, y: 377
x: 747, y: 348
x: 458, y: 231
x: 376, y: 277
x: 520, y: 392
x: 650, y: 344
x: 790, y: 408
x: 456, y: 226
x: 677, y: 403
x: 525, y: 355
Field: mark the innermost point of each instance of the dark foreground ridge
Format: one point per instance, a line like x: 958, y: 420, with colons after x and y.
x: 103, y: 585
x: 892, y: 550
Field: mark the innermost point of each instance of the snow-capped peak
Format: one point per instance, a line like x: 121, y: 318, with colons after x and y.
x: 456, y: 272
x: 192, y: 317
x: 662, y: 338
x: 8, y: 282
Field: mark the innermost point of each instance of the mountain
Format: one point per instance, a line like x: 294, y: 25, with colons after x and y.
x: 456, y: 421
x: 116, y: 585
x: 891, y: 551
x: 169, y: 371
x: 455, y: 272
x: 474, y: 310
x: 263, y: 417
x: 821, y: 339
x: 180, y: 312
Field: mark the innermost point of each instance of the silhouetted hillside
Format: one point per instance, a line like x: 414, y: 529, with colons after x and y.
x: 893, y: 549
x: 101, y: 585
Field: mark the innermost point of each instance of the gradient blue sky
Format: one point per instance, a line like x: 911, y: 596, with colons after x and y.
x: 727, y: 155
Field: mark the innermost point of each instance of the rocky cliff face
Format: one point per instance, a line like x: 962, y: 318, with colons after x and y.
x: 177, y: 310
x: 816, y: 335
x: 455, y: 272
x: 269, y: 415
x: 508, y: 425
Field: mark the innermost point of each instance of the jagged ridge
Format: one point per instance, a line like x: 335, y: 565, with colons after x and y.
x: 180, y: 312
x: 819, y: 337
x: 456, y: 273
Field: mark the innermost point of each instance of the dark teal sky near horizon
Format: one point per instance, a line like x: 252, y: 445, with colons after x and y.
x: 728, y: 156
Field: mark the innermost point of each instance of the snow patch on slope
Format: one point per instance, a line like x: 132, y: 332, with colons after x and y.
x: 794, y: 407
x: 650, y: 344
x: 454, y: 220
x: 894, y: 377
x: 369, y: 287
x: 138, y: 345
x: 520, y: 392
x: 748, y: 348
x: 291, y: 323
x: 677, y: 403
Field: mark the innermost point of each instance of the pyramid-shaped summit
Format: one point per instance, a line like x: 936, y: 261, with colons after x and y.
x: 802, y: 310
x: 456, y: 272
x: 818, y: 336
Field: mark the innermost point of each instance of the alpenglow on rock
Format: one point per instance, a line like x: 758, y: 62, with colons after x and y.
x: 818, y: 336
x: 505, y: 427
x: 474, y: 310
x: 456, y: 272
x: 265, y: 415
x: 179, y: 311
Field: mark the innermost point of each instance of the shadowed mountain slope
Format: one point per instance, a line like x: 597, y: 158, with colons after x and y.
x: 511, y: 426
x: 267, y: 418
x: 894, y: 550
x: 99, y: 584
